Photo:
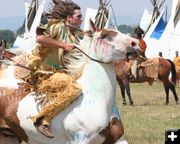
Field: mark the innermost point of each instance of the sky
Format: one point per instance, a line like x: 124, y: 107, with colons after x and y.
x: 126, y: 11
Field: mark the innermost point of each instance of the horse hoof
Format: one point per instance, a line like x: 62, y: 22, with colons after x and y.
x: 166, y: 103
x: 131, y: 103
x: 177, y: 102
x: 124, y: 103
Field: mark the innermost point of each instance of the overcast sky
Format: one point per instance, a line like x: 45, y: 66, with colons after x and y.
x: 126, y: 11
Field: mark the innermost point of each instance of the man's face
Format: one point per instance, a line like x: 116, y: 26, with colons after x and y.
x: 136, y: 36
x: 76, y: 18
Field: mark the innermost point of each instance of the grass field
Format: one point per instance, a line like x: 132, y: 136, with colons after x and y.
x: 147, y: 120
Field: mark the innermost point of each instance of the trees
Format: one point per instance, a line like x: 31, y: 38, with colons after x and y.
x: 127, y: 29
x: 9, y: 36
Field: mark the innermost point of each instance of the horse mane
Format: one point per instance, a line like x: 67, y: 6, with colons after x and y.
x: 75, y: 60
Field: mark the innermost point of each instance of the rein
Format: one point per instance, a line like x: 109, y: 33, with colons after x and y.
x: 6, y: 57
x: 19, y: 65
x: 93, y: 59
x: 142, y: 57
x: 76, y: 47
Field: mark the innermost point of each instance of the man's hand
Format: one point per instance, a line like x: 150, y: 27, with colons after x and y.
x: 68, y: 47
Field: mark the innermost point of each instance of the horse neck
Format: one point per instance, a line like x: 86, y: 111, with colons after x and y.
x: 98, y: 82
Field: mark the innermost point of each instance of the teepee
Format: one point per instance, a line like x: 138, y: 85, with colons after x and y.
x: 168, y: 43
x: 157, y: 5
x: 103, y: 17
x: 102, y: 14
x: 177, y: 13
x: 33, y: 15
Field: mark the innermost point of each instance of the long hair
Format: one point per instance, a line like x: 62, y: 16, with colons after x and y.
x: 60, y: 9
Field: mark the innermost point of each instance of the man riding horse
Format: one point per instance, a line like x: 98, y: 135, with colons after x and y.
x: 55, y: 35
x: 146, y: 70
x: 138, y: 34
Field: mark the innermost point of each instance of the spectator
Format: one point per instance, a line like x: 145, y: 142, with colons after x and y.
x: 177, y: 65
x: 160, y: 54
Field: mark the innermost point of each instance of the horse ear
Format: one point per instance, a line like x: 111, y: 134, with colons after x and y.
x: 92, y: 25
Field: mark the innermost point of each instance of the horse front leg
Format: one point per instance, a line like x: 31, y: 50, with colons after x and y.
x: 122, y: 88
x: 126, y: 86
x: 114, y: 132
x: 128, y: 91
x: 117, y: 132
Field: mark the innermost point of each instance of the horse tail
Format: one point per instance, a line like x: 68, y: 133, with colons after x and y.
x: 173, y: 71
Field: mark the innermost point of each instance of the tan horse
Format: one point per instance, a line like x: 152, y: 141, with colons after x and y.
x: 147, y: 72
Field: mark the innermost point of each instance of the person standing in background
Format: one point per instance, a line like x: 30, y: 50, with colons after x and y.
x: 177, y: 65
x: 160, y: 55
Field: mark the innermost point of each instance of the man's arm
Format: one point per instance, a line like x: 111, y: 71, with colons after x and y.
x: 52, y: 43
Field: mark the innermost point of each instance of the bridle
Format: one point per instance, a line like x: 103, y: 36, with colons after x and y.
x: 91, y: 58
x: 77, y: 47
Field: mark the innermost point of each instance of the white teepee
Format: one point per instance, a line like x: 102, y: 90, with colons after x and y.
x: 168, y: 43
x: 33, y: 12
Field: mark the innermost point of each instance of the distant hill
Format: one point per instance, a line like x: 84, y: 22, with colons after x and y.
x: 11, y: 23
x: 14, y: 23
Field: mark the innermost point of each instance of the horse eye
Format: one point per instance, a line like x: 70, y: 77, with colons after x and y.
x: 104, y: 35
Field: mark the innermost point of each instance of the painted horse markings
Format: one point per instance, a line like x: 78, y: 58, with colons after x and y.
x: 75, y: 118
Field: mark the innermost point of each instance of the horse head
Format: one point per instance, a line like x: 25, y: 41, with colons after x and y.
x: 112, y: 44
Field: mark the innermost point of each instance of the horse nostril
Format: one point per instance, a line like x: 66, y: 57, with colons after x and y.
x: 133, y: 44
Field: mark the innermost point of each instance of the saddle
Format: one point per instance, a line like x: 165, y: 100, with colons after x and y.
x: 150, y: 67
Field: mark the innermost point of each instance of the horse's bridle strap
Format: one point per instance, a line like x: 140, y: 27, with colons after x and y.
x: 96, y: 60
x: 20, y: 65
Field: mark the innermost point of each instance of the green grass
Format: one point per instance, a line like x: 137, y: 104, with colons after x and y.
x: 147, y: 120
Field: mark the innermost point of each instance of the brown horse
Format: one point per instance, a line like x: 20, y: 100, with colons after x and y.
x: 147, y: 71
x: 4, y: 54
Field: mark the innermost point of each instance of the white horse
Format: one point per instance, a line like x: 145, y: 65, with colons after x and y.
x: 91, y: 118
